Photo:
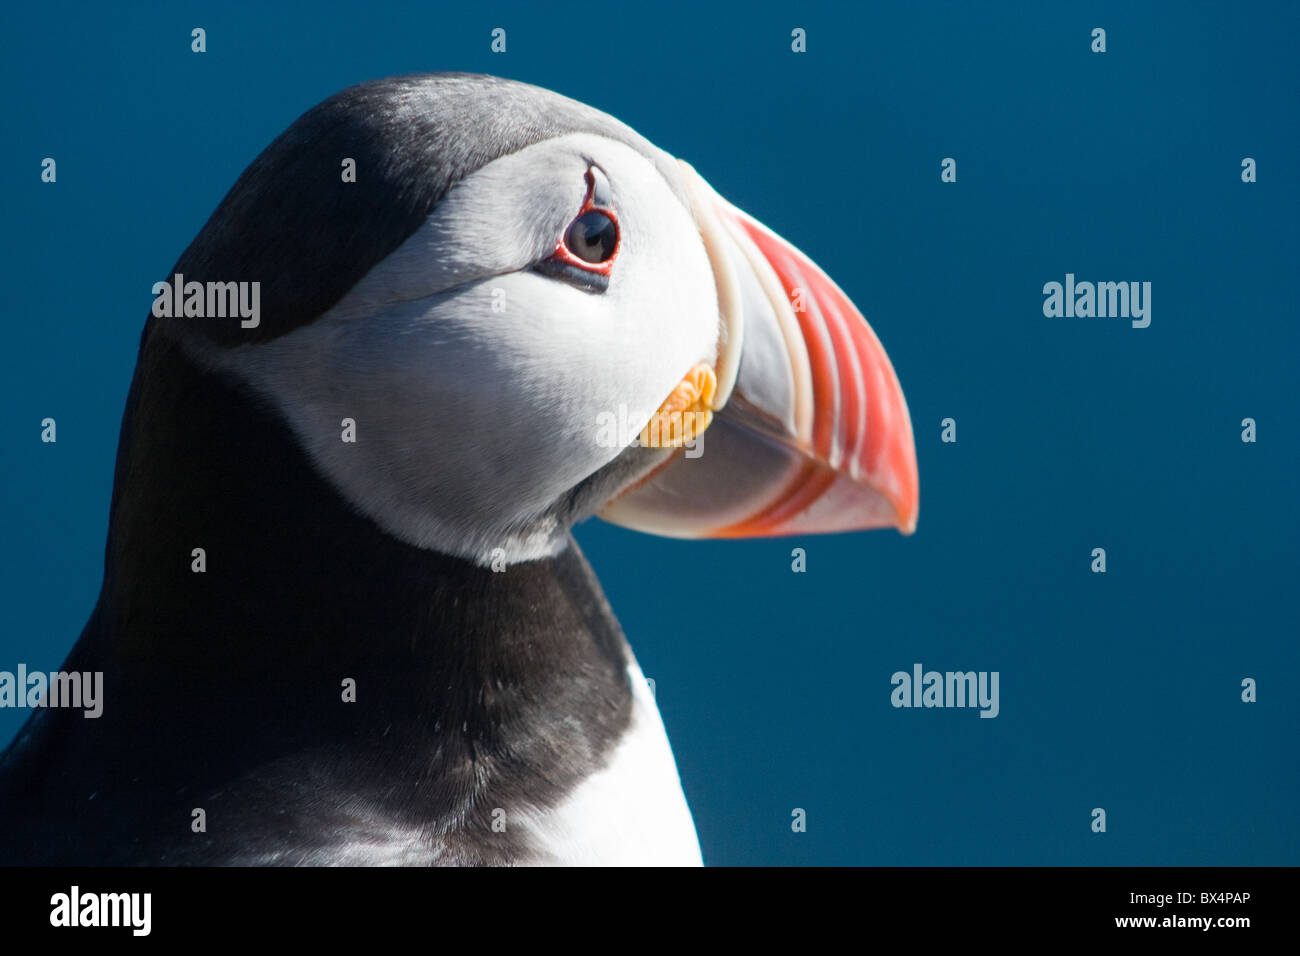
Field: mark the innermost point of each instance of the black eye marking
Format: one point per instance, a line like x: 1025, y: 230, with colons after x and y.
x: 584, y: 255
x: 584, y: 279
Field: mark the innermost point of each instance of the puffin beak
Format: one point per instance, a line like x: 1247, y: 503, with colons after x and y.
x: 809, y: 430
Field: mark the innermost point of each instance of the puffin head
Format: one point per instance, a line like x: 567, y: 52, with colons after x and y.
x: 531, y: 315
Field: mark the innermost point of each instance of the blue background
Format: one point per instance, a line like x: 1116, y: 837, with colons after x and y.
x: 1119, y: 690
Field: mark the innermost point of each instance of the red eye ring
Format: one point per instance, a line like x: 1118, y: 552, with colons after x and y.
x: 565, y: 255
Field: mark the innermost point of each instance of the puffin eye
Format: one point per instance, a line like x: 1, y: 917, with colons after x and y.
x: 584, y: 255
x: 592, y: 237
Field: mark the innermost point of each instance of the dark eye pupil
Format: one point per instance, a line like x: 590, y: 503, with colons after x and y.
x: 592, y: 237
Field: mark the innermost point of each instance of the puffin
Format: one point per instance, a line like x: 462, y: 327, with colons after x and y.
x: 344, y: 619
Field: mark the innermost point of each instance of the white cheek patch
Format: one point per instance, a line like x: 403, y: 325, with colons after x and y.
x: 477, y: 386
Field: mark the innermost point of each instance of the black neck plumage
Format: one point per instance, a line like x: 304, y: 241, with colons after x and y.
x: 313, y: 657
